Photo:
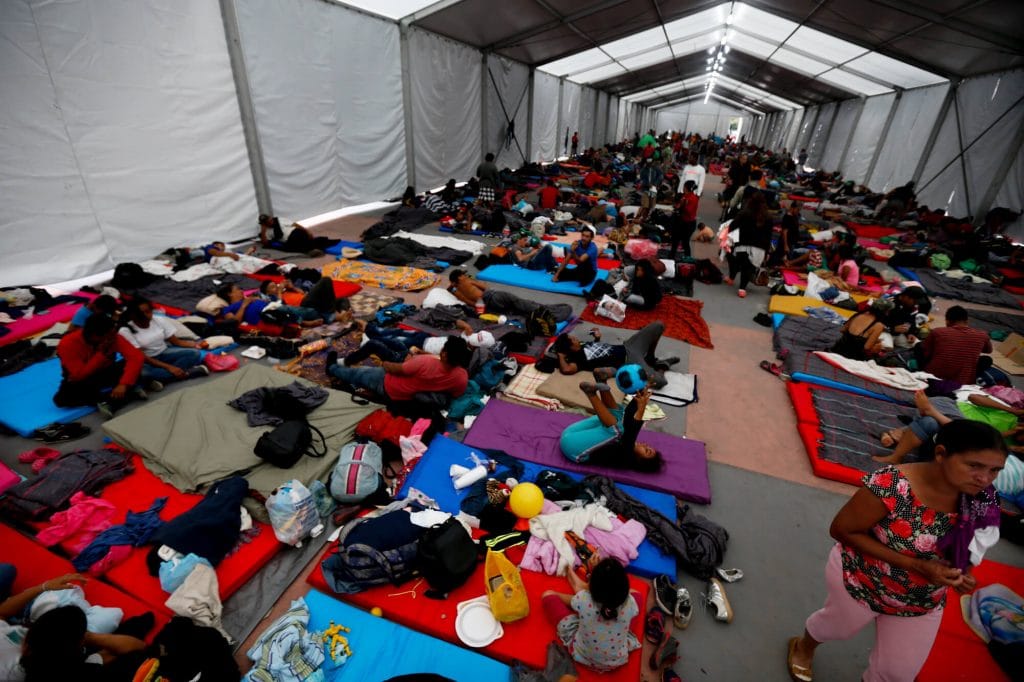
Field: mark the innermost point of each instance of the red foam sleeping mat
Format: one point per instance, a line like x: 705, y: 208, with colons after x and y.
x: 341, y: 289
x: 36, y: 564
x: 797, y: 197
x: 525, y: 640
x: 808, y: 427
x: 871, y: 231
x: 958, y: 654
x: 136, y: 492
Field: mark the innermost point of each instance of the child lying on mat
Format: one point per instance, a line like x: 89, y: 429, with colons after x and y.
x: 593, y: 622
x: 317, y: 307
x: 609, y: 437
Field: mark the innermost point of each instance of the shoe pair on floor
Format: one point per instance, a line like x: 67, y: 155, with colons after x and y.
x: 677, y: 602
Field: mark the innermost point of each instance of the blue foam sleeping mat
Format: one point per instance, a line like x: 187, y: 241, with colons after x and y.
x: 382, y: 649
x: 533, y: 279
x: 336, y: 249
x: 26, y: 399
x: 431, y: 477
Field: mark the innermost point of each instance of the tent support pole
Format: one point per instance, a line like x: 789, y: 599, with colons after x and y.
x: 962, y: 155
x: 947, y: 101
x: 849, y: 136
x: 558, y: 120
x: 529, y: 115
x: 607, y: 119
x: 881, y: 138
x: 794, y: 151
x: 484, y: 77
x: 229, y: 16
x: 989, y: 198
x: 410, y: 146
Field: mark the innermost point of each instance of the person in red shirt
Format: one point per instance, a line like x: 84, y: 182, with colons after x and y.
x: 89, y: 368
x: 952, y: 352
x: 684, y: 222
x: 548, y: 195
x: 424, y: 377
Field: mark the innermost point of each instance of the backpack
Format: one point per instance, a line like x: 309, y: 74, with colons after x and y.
x: 286, y: 443
x: 359, y: 474
x: 446, y: 556
x: 705, y: 543
x: 541, y: 322
x: 357, y: 566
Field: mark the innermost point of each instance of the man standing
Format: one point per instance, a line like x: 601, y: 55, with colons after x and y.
x: 952, y: 352
x: 575, y: 142
x: 692, y: 171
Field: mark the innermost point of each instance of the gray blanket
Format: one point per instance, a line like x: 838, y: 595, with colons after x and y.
x: 965, y: 290
x: 809, y: 363
x: 989, y: 321
x: 191, y: 438
x: 186, y: 295
x: 801, y: 334
x: 851, y: 425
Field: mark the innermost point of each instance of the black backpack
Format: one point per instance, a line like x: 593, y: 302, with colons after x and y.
x: 286, y: 443
x: 541, y: 322
x: 446, y: 556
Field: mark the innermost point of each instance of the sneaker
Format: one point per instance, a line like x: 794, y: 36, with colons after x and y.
x: 315, y: 253
x: 729, y: 575
x: 105, y: 410
x: 198, y: 371
x: 742, y: 293
x: 717, y: 599
x: 665, y: 655
x: 138, y: 393
x: 154, y: 386
x: 665, y: 594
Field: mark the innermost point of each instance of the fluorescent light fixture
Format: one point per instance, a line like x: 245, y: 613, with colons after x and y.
x: 729, y: 19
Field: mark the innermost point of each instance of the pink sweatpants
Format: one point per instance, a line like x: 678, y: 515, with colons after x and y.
x: 901, y: 644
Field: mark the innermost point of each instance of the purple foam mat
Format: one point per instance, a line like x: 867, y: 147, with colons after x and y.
x: 532, y: 434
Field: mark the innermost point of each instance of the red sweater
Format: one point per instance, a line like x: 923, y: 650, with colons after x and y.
x: 688, y: 208
x: 80, y: 360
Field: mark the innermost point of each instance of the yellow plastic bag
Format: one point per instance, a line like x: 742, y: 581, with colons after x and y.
x: 505, y: 589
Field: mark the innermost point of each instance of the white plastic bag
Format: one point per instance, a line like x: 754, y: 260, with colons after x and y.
x: 611, y: 308
x: 293, y: 513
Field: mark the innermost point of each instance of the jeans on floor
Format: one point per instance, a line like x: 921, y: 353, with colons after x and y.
x: 543, y: 260
x: 182, y: 358
x: 370, y: 378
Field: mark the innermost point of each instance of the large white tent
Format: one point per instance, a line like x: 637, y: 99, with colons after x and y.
x: 131, y: 127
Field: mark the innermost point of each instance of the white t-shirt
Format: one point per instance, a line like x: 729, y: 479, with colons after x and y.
x: 435, y: 344
x: 153, y: 339
x: 11, y: 637
x: 695, y: 173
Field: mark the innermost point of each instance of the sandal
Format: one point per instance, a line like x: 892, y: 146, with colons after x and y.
x: 797, y: 673
x: 893, y: 435
x: 654, y: 626
x: 665, y: 655
x: 771, y: 368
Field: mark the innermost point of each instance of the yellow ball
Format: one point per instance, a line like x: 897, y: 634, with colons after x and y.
x: 376, y: 610
x: 526, y: 500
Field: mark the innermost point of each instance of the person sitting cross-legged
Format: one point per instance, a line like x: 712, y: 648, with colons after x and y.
x: 154, y: 335
x: 92, y: 374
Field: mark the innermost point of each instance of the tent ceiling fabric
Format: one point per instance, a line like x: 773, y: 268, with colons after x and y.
x: 807, y: 51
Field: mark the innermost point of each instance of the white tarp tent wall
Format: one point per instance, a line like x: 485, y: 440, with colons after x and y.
x: 544, y: 139
x: 506, y: 84
x: 120, y: 134
x: 697, y: 117
x: 326, y: 86
x: 129, y: 128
